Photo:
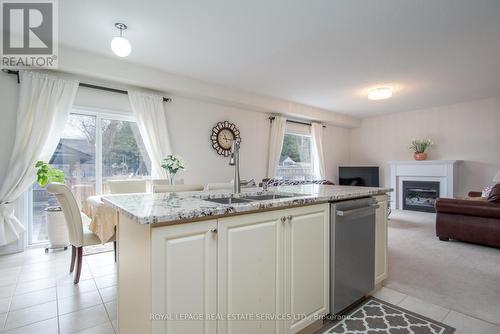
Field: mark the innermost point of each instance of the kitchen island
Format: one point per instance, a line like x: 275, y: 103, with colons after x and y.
x: 215, y: 262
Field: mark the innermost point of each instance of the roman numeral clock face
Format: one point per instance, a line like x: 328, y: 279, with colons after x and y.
x: 223, y: 135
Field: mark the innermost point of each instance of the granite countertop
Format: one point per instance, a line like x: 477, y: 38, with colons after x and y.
x: 149, y: 208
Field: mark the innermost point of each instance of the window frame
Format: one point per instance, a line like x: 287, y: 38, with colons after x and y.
x: 99, y: 115
x: 299, y: 130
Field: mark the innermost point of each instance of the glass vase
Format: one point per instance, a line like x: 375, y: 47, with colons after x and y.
x: 171, y: 178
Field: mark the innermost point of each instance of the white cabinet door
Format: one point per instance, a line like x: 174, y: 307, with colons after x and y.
x: 250, y: 267
x: 184, y: 277
x: 307, y: 263
x: 381, y: 267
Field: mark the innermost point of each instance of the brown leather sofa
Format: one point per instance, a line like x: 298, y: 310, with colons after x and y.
x: 476, y: 221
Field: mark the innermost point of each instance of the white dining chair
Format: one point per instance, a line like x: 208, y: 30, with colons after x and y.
x: 168, y: 188
x: 155, y: 182
x: 126, y: 186
x: 77, y: 223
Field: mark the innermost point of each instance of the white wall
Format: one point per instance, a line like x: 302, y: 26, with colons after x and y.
x: 190, y: 122
x: 467, y: 131
x: 336, y: 145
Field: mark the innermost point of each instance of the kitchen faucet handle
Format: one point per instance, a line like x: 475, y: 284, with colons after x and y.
x: 283, y: 219
x: 289, y: 218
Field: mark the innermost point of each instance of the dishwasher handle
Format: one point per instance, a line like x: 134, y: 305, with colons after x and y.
x: 358, y: 210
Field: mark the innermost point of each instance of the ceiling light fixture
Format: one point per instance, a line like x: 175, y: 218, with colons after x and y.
x: 380, y: 93
x: 120, y: 45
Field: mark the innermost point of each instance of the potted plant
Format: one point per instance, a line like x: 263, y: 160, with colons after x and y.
x: 57, y: 230
x: 419, y: 146
x: 46, y: 173
x: 172, y: 164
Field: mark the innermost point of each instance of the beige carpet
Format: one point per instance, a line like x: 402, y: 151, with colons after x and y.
x: 457, y: 275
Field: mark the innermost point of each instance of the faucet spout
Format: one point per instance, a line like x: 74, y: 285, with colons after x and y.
x: 234, y: 160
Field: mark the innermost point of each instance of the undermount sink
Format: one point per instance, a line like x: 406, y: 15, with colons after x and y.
x: 250, y: 198
x: 265, y: 197
x: 228, y: 200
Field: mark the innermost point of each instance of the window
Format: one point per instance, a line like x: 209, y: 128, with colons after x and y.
x: 296, y: 160
x: 123, y: 154
x: 94, y: 148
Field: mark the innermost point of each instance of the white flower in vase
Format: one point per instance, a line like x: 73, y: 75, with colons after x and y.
x: 172, y: 164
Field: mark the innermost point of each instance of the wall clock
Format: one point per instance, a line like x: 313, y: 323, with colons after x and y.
x: 222, y: 137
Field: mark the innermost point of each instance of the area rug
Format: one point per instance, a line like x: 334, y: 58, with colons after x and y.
x: 375, y: 316
x: 96, y: 249
x: 457, y: 275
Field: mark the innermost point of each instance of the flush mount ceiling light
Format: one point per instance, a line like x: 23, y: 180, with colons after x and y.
x: 120, y: 45
x: 380, y: 93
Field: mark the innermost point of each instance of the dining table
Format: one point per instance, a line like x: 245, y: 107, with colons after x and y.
x: 103, y: 218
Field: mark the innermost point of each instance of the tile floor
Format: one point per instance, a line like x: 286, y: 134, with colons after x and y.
x: 37, y: 294
x: 463, y: 323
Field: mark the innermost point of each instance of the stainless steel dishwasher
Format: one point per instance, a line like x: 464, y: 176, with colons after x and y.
x: 352, y: 248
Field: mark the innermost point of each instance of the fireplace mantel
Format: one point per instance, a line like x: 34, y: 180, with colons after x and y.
x: 424, y: 162
x: 442, y: 171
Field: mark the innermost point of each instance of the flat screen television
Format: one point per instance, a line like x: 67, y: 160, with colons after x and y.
x: 362, y: 176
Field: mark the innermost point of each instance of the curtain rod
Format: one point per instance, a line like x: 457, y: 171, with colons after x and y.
x: 271, y: 118
x: 86, y: 85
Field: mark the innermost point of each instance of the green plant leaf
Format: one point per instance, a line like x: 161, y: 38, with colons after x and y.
x: 46, y: 173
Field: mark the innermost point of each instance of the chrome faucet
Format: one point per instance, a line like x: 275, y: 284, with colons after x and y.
x: 234, y: 160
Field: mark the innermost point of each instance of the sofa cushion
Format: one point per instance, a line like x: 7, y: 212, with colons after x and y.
x: 495, y: 194
x: 486, y: 191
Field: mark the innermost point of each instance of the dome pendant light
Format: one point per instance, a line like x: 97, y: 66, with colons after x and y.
x: 120, y: 45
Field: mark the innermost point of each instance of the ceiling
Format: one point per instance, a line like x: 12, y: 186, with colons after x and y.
x: 323, y: 53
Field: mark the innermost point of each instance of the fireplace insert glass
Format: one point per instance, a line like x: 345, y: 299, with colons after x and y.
x: 420, y: 195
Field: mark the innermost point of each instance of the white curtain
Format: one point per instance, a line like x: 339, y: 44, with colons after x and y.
x: 319, y: 157
x: 152, y: 124
x: 278, y: 127
x: 43, y: 108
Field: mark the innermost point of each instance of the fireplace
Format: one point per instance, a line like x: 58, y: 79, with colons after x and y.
x: 420, y: 195
x: 433, y: 171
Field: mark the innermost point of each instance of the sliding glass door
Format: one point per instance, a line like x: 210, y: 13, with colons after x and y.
x: 95, y: 147
x: 122, y: 151
x: 76, y: 156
